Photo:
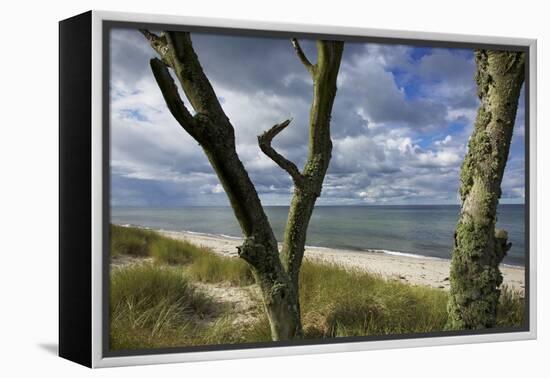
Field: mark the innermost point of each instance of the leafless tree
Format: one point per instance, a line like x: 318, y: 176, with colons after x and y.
x: 276, y: 273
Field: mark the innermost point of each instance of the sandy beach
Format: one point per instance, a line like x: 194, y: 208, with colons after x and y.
x: 416, y: 270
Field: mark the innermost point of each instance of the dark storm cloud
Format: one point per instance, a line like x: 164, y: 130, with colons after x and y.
x: 253, y: 64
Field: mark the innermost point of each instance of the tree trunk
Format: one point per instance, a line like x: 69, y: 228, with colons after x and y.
x: 211, y: 128
x: 260, y: 247
x: 479, y: 248
x: 309, y: 182
x: 307, y: 190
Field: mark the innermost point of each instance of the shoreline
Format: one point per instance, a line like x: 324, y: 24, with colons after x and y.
x: 408, y: 268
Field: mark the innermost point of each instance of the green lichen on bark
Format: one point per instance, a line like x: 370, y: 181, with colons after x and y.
x: 479, y: 248
x: 324, y: 74
x: 479, y: 145
x: 309, y: 182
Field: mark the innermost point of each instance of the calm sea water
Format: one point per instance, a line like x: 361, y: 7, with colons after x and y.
x: 419, y: 230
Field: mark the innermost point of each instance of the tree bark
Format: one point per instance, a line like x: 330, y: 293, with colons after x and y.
x: 306, y: 191
x: 479, y: 248
x: 211, y: 128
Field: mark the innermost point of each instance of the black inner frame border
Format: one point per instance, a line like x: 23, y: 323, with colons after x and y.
x: 108, y: 25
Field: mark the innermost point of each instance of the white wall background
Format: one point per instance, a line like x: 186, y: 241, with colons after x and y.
x: 28, y: 190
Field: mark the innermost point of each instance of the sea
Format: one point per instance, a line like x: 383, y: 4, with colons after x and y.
x: 415, y: 231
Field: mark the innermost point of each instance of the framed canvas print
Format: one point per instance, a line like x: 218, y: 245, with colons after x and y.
x: 236, y: 189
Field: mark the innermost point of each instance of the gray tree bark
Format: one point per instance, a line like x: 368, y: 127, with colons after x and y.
x: 479, y: 248
x: 211, y: 128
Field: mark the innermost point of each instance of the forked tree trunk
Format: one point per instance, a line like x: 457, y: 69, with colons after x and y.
x: 211, y: 128
x: 309, y: 182
x: 479, y: 248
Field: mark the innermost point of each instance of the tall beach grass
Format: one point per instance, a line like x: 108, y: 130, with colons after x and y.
x: 157, y: 304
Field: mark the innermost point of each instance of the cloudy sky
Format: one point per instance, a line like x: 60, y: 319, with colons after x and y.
x: 400, y: 123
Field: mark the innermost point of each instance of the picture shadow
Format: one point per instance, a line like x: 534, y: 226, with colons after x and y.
x: 52, y: 348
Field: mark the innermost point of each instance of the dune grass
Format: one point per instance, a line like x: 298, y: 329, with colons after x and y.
x: 131, y: 241
x: 511, y: 309
x: 343, y: 302
x: 202, y: 264
x: 174, y: 252
x: 211, y: 268
x: 338, y: 302
x: 152, y: 306
x: 155, y: 305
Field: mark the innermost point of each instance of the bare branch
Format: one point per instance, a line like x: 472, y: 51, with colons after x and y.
x: 172, y: 97
x: 303, y: 58
x: 149, y: 35
x: 264, y: 140
x: 196, y: 85
x: 159, y: 44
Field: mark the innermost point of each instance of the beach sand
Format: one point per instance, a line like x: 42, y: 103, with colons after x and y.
x: 415, y: 270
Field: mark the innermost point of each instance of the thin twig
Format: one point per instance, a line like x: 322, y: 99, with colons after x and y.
x: 302, y: 56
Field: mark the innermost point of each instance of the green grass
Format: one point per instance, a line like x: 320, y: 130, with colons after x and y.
x: 511, y: 309
x: 174, y: 252
x: 155, y: 305
x: 337, y: 302
x: 202, y: 264
x: 152, y: 306
x: 131, y: 241
x: 211, y: 268
x: 341, y: 302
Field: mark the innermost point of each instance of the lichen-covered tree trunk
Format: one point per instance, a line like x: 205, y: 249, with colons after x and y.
x: 308, y: 189
x: 479, y: 248
x: 211, y: 128
x: 309, y: 182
